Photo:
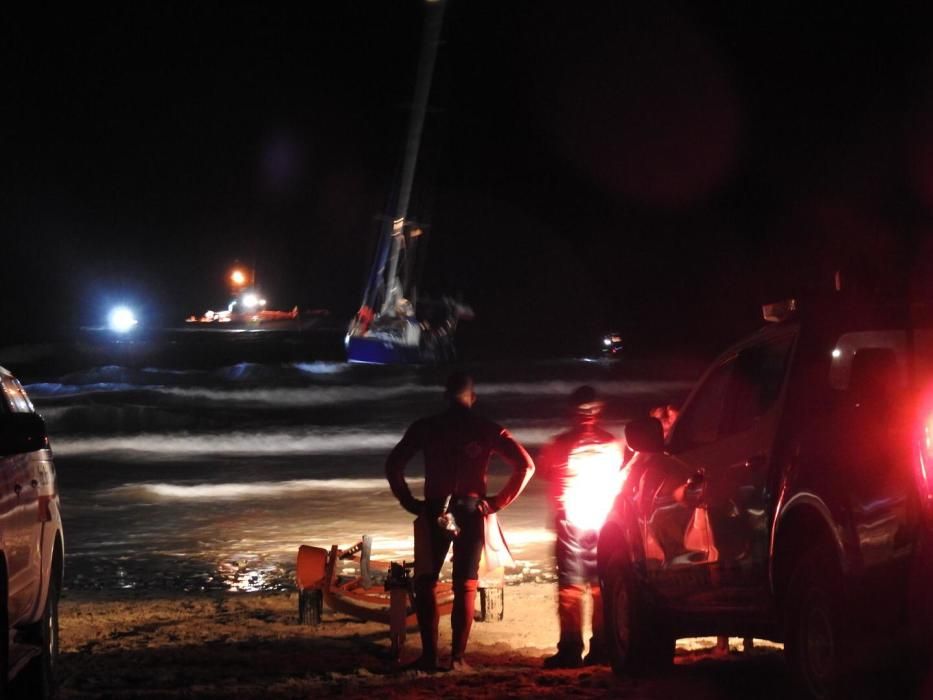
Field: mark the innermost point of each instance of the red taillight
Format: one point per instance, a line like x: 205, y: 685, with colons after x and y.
x: 925, y: 465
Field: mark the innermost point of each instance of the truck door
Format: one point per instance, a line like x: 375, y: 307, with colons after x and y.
x: 725, y: 439
x: 671, y: 494
x: 20, y: 499
x: 15, y: 525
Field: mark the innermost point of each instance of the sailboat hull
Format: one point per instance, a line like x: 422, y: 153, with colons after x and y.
x: 379, y: 351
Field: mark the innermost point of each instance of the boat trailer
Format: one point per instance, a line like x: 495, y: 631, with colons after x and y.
x: 382, y: 592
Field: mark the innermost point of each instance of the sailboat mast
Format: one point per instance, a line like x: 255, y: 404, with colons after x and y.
x: 432, y: 30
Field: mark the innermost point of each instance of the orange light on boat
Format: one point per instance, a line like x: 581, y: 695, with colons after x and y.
x: 238, y: 278
x: 595, y: 477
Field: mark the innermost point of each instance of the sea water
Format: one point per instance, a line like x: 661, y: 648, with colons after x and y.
x: 210, y: 479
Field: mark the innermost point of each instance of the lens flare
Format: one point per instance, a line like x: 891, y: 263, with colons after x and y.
x: 594, y: 479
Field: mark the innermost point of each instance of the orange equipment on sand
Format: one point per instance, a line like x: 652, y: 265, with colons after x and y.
x: 390, y: 602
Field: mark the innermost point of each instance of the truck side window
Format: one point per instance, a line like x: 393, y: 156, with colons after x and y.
x: 701, y: 421
x: 756, y: 384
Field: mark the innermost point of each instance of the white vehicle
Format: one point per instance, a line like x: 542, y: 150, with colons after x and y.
x: 31, y: 546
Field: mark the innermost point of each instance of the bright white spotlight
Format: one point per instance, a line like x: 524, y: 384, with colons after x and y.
x: 121, y: 320
x: 250, y: 301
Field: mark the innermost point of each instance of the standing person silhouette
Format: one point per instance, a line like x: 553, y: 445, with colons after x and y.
x: 457, y: 445
x: 584, y: 468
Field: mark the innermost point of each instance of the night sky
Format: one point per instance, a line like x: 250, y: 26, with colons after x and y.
x: 658, y: 168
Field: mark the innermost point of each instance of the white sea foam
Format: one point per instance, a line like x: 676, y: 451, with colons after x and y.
x: 320, y: 367
x: 265, y: 443
x: 333, y: 395
x: 304, y: 441
x: 311, y: 396
x: 241, y: 490
x: 177, y: 445
x: 292, y: 397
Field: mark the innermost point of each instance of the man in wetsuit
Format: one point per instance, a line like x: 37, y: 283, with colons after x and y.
x: 457, y: 445
x: 584, y: 468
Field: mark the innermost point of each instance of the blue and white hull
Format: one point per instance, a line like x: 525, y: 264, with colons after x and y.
x: 373, y: 350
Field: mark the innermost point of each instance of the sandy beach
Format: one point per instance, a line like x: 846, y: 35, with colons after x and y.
x: 242, y: 645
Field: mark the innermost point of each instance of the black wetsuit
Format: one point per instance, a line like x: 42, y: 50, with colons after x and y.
x: 457, y: 445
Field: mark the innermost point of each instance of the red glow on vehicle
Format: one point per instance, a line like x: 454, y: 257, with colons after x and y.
x: 925, y: 450
x: 594, y: 479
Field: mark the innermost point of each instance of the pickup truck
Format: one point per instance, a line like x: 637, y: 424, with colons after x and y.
x: 31, y: 546
x: 792, y: 500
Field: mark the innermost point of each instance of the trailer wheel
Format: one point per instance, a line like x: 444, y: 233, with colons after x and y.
x: 491, y: 605
x: 310, y: 606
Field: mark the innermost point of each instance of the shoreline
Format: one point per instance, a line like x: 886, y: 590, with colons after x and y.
x: 149, y: 644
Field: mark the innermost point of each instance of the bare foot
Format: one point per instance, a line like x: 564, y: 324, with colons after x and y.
x: 460, y: 665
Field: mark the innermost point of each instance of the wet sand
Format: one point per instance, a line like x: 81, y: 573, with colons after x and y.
x: 244, y: 645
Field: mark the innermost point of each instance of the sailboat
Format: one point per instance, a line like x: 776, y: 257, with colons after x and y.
x: 392, y: 326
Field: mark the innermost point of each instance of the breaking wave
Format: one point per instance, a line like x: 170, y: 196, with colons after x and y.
x: 60, y: 390
x: 315, y: 395
x: 236, y: 491
x: 306, y: 397
x: 322, y: 367
x: 168, y: 446
x: 237, y: 443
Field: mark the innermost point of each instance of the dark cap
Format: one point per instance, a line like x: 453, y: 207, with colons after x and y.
x: 583, y: 401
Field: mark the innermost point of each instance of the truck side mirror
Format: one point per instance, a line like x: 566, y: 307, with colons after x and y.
x: 645, y: 435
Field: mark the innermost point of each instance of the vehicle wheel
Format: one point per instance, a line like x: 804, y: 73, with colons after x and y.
x: 815, y: 639
x: 40, y: 674
x: 636, y: 639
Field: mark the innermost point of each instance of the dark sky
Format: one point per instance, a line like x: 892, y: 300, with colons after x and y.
x: 661, y: 168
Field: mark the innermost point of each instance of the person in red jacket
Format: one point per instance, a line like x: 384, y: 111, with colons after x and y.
x: 457, y: 445
x: 584, y: 466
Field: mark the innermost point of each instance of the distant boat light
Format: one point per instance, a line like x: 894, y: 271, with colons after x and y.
x: 837, y: 353
x: 121, y: 320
